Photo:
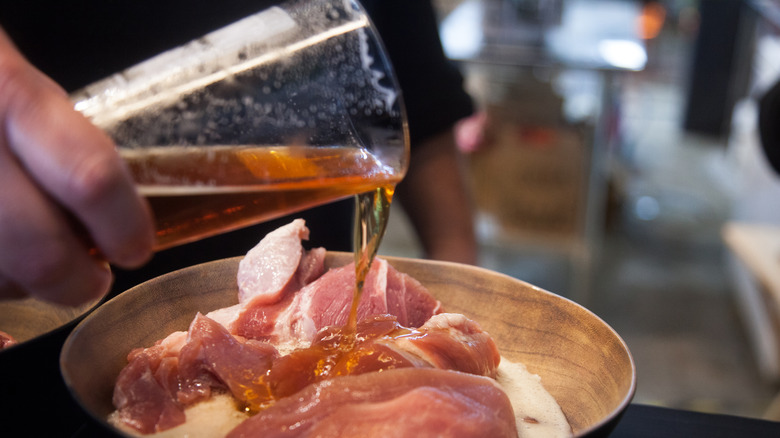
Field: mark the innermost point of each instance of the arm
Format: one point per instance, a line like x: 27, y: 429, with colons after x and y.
x: 433, y: 192
x: 60, y: 180
x: 436, y: 200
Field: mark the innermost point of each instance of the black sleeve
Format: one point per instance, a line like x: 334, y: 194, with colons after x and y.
x: 432, y: 86
x: 81, y: 41
x: 77, y: 42
x: 769, y: 125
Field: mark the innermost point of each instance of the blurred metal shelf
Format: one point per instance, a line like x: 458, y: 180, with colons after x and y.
x: 547, y: 77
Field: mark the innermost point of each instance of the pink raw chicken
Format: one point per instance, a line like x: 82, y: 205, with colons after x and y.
x: 400, y: 403
x: 274, y: 266
x: 152, y: 391
x: 6, y: 340
x: 289, y: 306
x: 161, y: 381
x: 229, y: 349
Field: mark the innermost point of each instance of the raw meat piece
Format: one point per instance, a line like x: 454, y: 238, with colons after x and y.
x: 213, y: 358
x: 451, y: 341
x: 395, y: 403
x: 327, y: 302
x: 143, y: 392
x: 6, y: 340
x: 160, y: 381
x: 409, y: 300
x: 285, y: 298
x: 274, y: 266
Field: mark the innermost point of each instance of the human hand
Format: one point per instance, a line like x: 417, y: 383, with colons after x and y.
x: 68, y: 206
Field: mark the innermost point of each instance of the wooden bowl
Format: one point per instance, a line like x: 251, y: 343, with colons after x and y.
x: 582, y: 362
x: 30, y: 368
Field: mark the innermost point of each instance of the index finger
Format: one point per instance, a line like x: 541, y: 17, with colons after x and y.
x: 74, y: 162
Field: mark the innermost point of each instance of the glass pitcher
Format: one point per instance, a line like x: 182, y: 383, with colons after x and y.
x: 289, y: 108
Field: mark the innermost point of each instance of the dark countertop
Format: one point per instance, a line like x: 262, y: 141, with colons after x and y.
x: 641, y: 421
x: 650, y: 421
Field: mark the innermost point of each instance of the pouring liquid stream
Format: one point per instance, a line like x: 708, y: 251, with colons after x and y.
x: 371, y: 215
x: 339, y: 351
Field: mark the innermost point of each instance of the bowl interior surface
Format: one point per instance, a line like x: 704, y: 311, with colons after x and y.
x: 582, y: 361
x: 29, y: 318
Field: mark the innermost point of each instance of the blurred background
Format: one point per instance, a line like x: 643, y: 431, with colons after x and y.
x: 615, y: 160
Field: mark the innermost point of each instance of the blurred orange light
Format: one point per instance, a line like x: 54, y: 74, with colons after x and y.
x: 651, y: 20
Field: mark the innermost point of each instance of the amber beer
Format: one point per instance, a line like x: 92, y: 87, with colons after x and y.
x: 196, y: 192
